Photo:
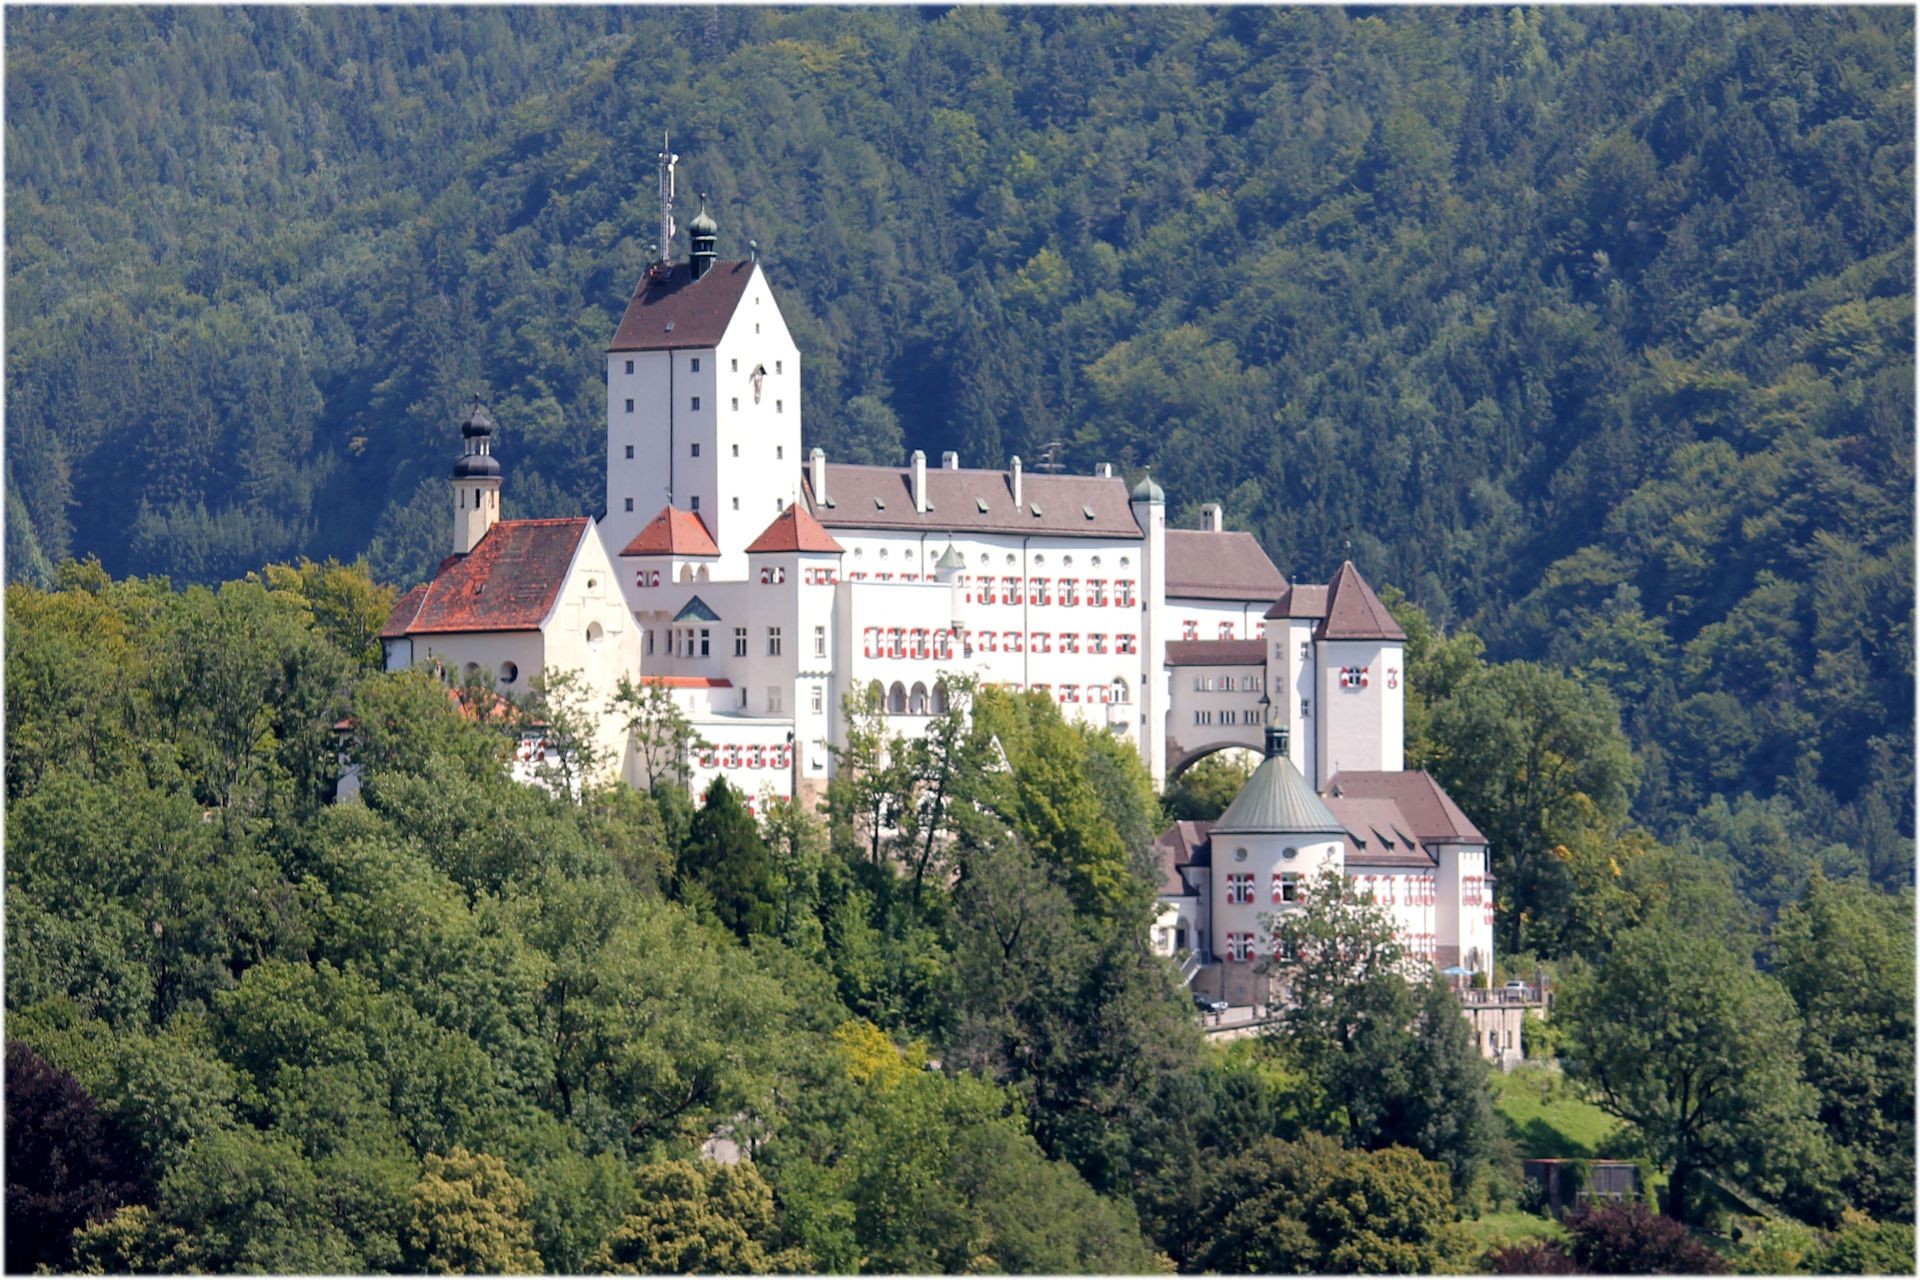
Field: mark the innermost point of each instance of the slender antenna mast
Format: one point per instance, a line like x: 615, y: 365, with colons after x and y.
x: 667, y: 161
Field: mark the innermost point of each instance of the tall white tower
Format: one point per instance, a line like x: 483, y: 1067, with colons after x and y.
x: 1149, y: 504
x: 476, y: 482
x: 703, y: 398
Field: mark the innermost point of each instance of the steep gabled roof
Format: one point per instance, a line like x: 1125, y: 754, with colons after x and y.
x: 1430, y: 813
x: 1354, y: 612
x: 972, y: 501
x: 1277, y: 799
x: 508, y: 582
x: 1204, y: 565
x: 794, y: 529
x: 670, y: 310
x: 673, y: 533
x: 1216, y: 653
x: 1300, y: 601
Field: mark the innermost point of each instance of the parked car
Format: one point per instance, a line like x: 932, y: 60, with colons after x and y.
x: 1208, y: 1004
x: 1516, y: 988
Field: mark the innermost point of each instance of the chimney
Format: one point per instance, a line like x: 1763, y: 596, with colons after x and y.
x: 920, y: 481
x: 817, y: 464
x: 1104, y: 470
x: 950, y: 461
x: 1211, y: 518
x: 1014, y: 472
x: 1276, y: 740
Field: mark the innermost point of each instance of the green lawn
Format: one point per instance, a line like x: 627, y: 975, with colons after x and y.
x: 1490, y: 1230
x: 1546, y: 1118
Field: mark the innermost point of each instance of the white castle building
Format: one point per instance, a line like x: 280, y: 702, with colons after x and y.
x: 763, y: 585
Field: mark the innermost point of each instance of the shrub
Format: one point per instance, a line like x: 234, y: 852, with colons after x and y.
x: 1624, y: 1238
x: 1530, y: 1258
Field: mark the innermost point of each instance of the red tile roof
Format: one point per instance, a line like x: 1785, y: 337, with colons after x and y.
x: 794, y: 530
x: 1300, y: 601
x: 404, y: 610
x: 1430, y: 813
x: 969, y: 501
x: 1354, y: 612
x: 1216, y: 653
x: 687, y: 682
x: 673, y: 533
x: 1204, y: 565
x: 671, y: 310
x: 508, y: 582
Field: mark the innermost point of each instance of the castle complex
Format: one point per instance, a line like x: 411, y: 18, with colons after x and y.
x: 761, y: 585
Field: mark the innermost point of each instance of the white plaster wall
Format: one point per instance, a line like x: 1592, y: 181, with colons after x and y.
x: 1242, y: 619
x: 1231, y: 703
x: 649, y: 477
x: 757, y: 444
x: 1365, y: 728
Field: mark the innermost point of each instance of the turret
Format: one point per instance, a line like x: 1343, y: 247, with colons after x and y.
x: 702, y: 231
x: 476, y: 481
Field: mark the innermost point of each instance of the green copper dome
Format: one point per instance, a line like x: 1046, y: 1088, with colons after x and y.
x: 702, y: 224
x: 1278, y: 800
x: 1147, y: 490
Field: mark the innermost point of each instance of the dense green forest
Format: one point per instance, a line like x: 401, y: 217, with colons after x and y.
x: 1591, y: 328
x: 462, y: 1024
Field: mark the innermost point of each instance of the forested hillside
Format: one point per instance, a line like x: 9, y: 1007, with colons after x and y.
x: 1592, y: 329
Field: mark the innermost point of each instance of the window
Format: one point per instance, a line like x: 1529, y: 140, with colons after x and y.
x: 1096, y: 642
x: 986, y: 591
x: 629, y: 504
x: 629, y: 366
x: 705, y: 635
x: 1226, y: 631
x: 734, y: 369
x: 1040, y: 591
x: 693, y: 503
x: 734, y: 403
x: 1305, y: 708
x: 736, y: 504
x: 693, y: 365
x: 1240, y: 887
x: 629, y: 451
x: 1189, y: 630
x: 1239, y: 946
x: 696, y: 448
x: 1015, y: 641
x: 1013, y: 586
x: 1096, y: 591
x: 1203, y: 717
x: 1199, y: 684
x: 779, y: 452
x: 736, y: 451
x: 773, y: 699
x: 819, y: 642
x: 773, y: 642
x: 649, y: 644
x: 1286, y: 887
x: 779, y: 406
x: 1069, y: 693
x: 1040, y: 642
x: 779, y: 366
x: 1069, y: 591
x: 1125, y: 644
x: 1069, y: 642
x: 1123, y: 594
x: 1287, y: 949
x: 815, y: 699
x: 739, y: 642
x: 629, y: 404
